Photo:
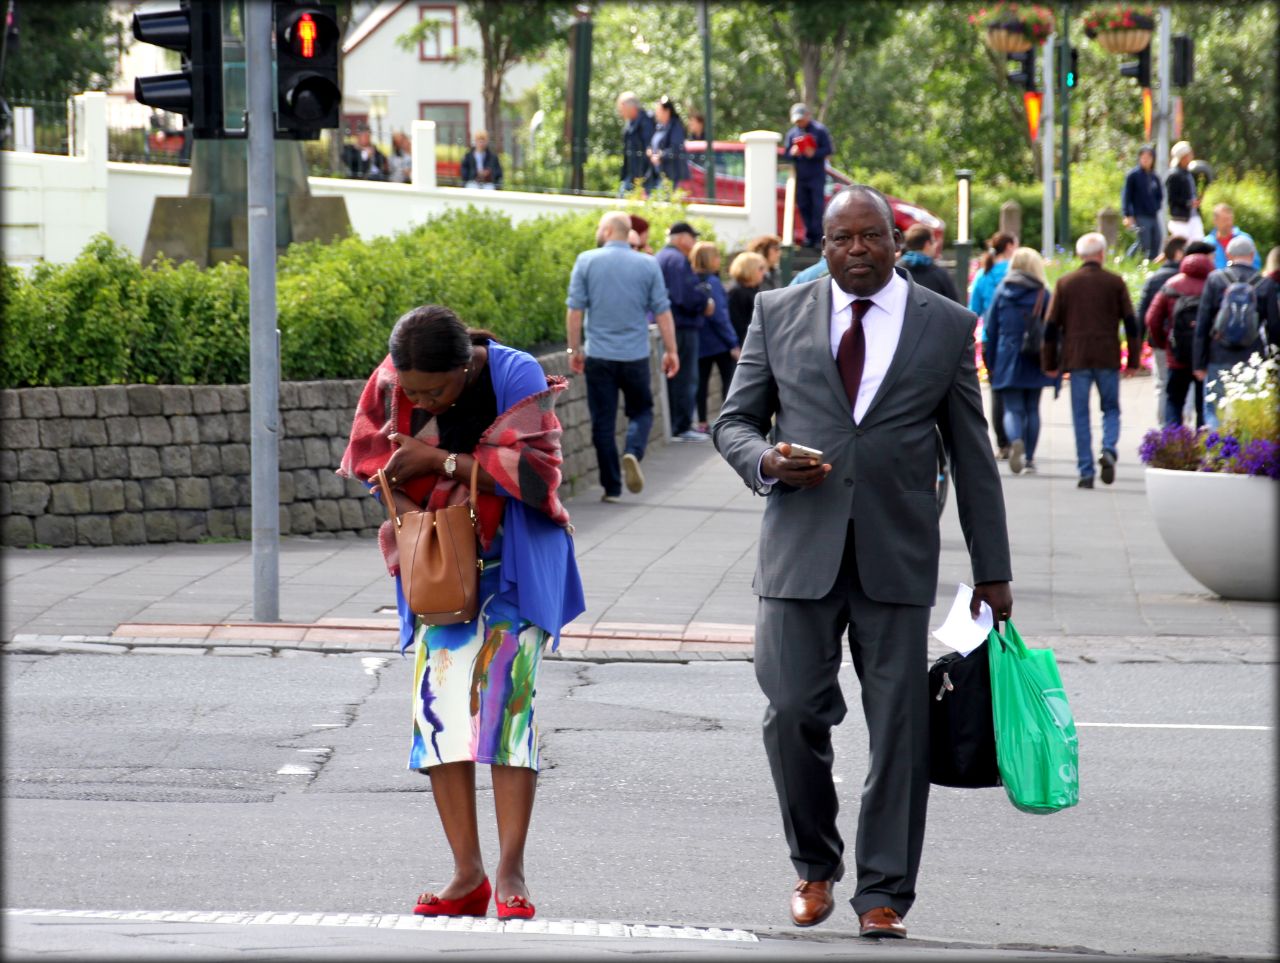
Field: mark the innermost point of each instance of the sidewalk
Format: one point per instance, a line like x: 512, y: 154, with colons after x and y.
x: 667, y: 575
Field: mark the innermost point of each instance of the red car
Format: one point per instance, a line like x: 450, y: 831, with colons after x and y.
x: 730, y: 180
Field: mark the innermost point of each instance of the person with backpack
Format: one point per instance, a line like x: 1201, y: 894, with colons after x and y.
x: 1173, y: 251
x: 1237, y: 317
x: 1014, y: 333
x: 1171, y: 329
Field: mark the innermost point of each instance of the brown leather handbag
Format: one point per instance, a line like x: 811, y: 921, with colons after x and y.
x: 439, y: 563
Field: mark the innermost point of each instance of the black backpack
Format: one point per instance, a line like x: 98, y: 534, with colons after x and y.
x: 1182, y: 324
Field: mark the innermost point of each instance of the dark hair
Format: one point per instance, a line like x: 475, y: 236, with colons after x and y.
x: 878, y: 199
x: 670, y: 104
x: 1193, y: 247
x: 1175, y: 245
x: 996, y: 245
x: 431, y: 338
x: 917, y: 237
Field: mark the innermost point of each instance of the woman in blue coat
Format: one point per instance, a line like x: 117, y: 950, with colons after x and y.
x: 666, y: 150
x: 718, y: 346
x: 1021, y: 296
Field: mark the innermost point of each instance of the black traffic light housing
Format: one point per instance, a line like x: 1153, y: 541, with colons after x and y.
x: 1025, y: 75
x: 308, y: 44
x: 1184, y: 60
x: 195, y: 91
x: 1140, y: 69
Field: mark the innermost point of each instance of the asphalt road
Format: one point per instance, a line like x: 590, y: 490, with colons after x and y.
x: 153, y: 783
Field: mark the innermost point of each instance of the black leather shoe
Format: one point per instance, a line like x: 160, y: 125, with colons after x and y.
x: 1108, y: 463
x: 1085, y: 482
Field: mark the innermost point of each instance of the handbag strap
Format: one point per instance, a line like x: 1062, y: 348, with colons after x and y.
x: 1035, y: 310
x: 388, y: 498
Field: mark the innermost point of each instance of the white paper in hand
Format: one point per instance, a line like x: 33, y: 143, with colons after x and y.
x: 961, y: 631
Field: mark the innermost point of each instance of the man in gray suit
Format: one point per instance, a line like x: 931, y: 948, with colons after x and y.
x: 861, y: 366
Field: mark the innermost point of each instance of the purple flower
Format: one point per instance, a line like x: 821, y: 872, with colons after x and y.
x: 1260, y: 457
x: 1173, y: 446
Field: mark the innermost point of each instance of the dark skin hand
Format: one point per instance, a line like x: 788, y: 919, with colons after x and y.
x: 996, y: 594
x: 796, y: 472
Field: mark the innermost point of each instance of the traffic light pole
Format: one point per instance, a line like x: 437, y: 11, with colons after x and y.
x: 1064, y: 206
x: 1046, y: 147
x: 264, y: 361
x: 1163, y: 117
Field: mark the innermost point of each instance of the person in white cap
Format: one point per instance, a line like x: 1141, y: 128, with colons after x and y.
x: 808, y: 145
x: 1180, y: 191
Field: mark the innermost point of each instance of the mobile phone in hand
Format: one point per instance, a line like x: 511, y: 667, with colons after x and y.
x: 804, y: 451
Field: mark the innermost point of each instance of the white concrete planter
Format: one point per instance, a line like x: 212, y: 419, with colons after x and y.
x: 1221, y: 529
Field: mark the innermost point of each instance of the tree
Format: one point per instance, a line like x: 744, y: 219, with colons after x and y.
x: 62, y: 48
x: 509, y: 33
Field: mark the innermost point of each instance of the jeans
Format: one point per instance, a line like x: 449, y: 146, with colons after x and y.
x: 1177, y: 382
x: 1150, y: 237
x: 997, y: 409
x: 724, y: 363
x: 810, y: 199
x: 604, y: 380
x: 1210, y: 386
x: 682, y: 390
x: 1022, y: 416
x: 1108, y: 382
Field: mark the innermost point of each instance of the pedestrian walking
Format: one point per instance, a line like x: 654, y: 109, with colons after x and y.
x: 808, y: 145
x: 637, y: 133
x: 362, y: 159
x: 1237, y: 317
x: 918, y: 258
x: 696, y: 127
x: 1180, y: 191
x: 481, y: 167
x: 1272, y: 267
x: 1081, y: 338
x: 690, y: 303
x: 769, y: 247
x: 901, y: 366
x: 612, y: 288
x: 668, y: 163
x: 445, y: 399
x: 718, y: 345
x: 400, y: 163
x: 1224, y: 229
x: 1168, y: 269
x: 1140, y: 202
x: 991, y: 271
x: 1170, y: 320
x: 748, y: 272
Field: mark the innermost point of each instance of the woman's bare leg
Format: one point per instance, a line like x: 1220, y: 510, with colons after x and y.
x: 513, y: 792
x: 453, y: 785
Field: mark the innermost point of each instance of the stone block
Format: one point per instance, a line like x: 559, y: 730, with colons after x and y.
x: 69, y: 498
x: 337, y: 448
x: 36, y: 464
x: 128, y: 529
x: 328, y: 518
x: 289, y: 395
x: 244, y: 522
x: 302, y: 518
x: 239, y: 427
x: 193, y: 493
x: 284, y: 521
x: 40, y: 403
x: 111, y: 400
x: 87, y: 432
x: 206, y: 460
x: 77, y: 402
x: 221, y: 522
x: 327, y: 422
x: 234, y: 397
x: 175, y: 460
x: 297, y: 423
x: 292, y: 454
x: 330, y: 485
x: 305, y: 486
x: 145, y: 400
x: 55, y: 433
x: 76, y: 464
x: 286, y: 487
x: 6, y: 504
x: 55, y: 530
x: 374, y: 513
x: 316, y: 453
x: 228, y: 491
x: 144, y: 462
x: 160, y: 526
x: 159, y: 493
x: 155, y: 430
x: 191, y: 525
x: 8, y: 465
x: 313, y: 394
x: 21, y: 433
x: 206, y: 400
x: 351, y: 511
x: 236, y: 459
x: 175, y: 400
x: 10, y: 404
x: 185, y: 429
x: 111, y: 462
x: 106, y: 495
x: 123, y: 430
x: 132, y: 495
x: 213, y: 429
x: 17, y: 531
x: 93, y: 530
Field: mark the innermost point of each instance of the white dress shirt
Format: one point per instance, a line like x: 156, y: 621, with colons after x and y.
x: 882, y: 325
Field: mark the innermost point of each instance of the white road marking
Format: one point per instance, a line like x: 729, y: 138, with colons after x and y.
x: 372, y: 665
x: 295, y: 771
x: 328, y: 725
x: 454, y: 924
x: 1166, y: 725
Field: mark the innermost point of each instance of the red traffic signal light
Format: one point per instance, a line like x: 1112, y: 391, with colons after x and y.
x: 308, y: 97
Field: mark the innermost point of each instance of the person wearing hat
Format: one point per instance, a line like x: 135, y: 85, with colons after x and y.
x: 690, y: 301
x: 1180, y: 189
x: 1140, y: 203
x: 362, y: 159
x: 808, y: 145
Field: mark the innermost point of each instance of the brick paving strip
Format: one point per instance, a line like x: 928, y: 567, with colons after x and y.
x: 598, y: 642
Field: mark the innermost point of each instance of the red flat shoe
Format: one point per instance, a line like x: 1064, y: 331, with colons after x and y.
x: 514, y: 908
x: 475, y: 903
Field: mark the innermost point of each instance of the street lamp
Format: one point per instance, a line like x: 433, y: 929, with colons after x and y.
x: 377, y: 108
x: 964, y: 240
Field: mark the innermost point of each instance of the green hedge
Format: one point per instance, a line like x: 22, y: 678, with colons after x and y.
x: 105, y: 319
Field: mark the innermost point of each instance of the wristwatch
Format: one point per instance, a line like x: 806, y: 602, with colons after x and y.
x: 450, y: 464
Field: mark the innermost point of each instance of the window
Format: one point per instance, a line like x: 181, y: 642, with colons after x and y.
x: 453, y: 120
x: 442, y: 43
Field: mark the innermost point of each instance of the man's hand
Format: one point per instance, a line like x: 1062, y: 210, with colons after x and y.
x: 670, y: 363
x: 796, y: 472
x: 735, y: 353
x: 577, y: 362
x: 412, y: 459
x: 795, y: 150
x: 996, y: 594
x: 1201, y: 375
x: 711, y: 307
x: 810, y: 151
x: 1129, y: 222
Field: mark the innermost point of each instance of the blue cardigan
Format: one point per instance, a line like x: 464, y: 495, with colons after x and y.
x: 717, y: 335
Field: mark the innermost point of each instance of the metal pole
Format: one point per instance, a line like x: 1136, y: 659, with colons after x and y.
x: 1064, y: 62
x: 704, y: 27
x: 264, y: 364
x: 1046, y: 149
x: 1163, y: 113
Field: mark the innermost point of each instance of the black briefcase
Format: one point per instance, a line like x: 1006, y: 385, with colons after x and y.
x: 962, y: 734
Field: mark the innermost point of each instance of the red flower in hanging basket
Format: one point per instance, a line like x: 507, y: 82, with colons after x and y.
x: 1029, y: 19
x: 1118, y: 16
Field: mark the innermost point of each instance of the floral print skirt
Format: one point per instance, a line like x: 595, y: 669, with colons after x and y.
x: 474, y: 683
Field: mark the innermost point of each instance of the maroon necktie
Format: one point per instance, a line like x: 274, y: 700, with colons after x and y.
x: 852, y: 353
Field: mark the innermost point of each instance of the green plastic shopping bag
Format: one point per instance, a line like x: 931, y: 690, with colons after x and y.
x: 1036, y: 745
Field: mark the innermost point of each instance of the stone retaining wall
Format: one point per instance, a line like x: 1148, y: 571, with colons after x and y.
x: 128, y: 464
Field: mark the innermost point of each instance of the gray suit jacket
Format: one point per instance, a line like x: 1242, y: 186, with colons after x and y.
x: 884, y: 469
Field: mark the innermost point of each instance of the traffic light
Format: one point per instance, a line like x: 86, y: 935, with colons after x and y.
x: 308, y: 97
x: 195, y: 91
x: 1184, y: 60
x: 1025, y: 75
x: 1073, y: 64
x: 1140, y: 69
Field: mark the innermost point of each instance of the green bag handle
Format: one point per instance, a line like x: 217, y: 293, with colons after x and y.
x: 1011, y: 639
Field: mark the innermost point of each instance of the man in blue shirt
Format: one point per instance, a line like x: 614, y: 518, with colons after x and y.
x: 1224, y: 229
x: 615, y: 286
x: 808, y: 145
x: 690, y: 302
x: 1140, y: 202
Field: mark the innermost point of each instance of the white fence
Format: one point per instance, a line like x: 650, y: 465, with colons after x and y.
x: 52, y: 205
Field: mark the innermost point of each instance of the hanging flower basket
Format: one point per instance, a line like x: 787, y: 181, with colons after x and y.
x: 1012, y: 27
x: 1120, y: 28
x: 1008, y: 39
